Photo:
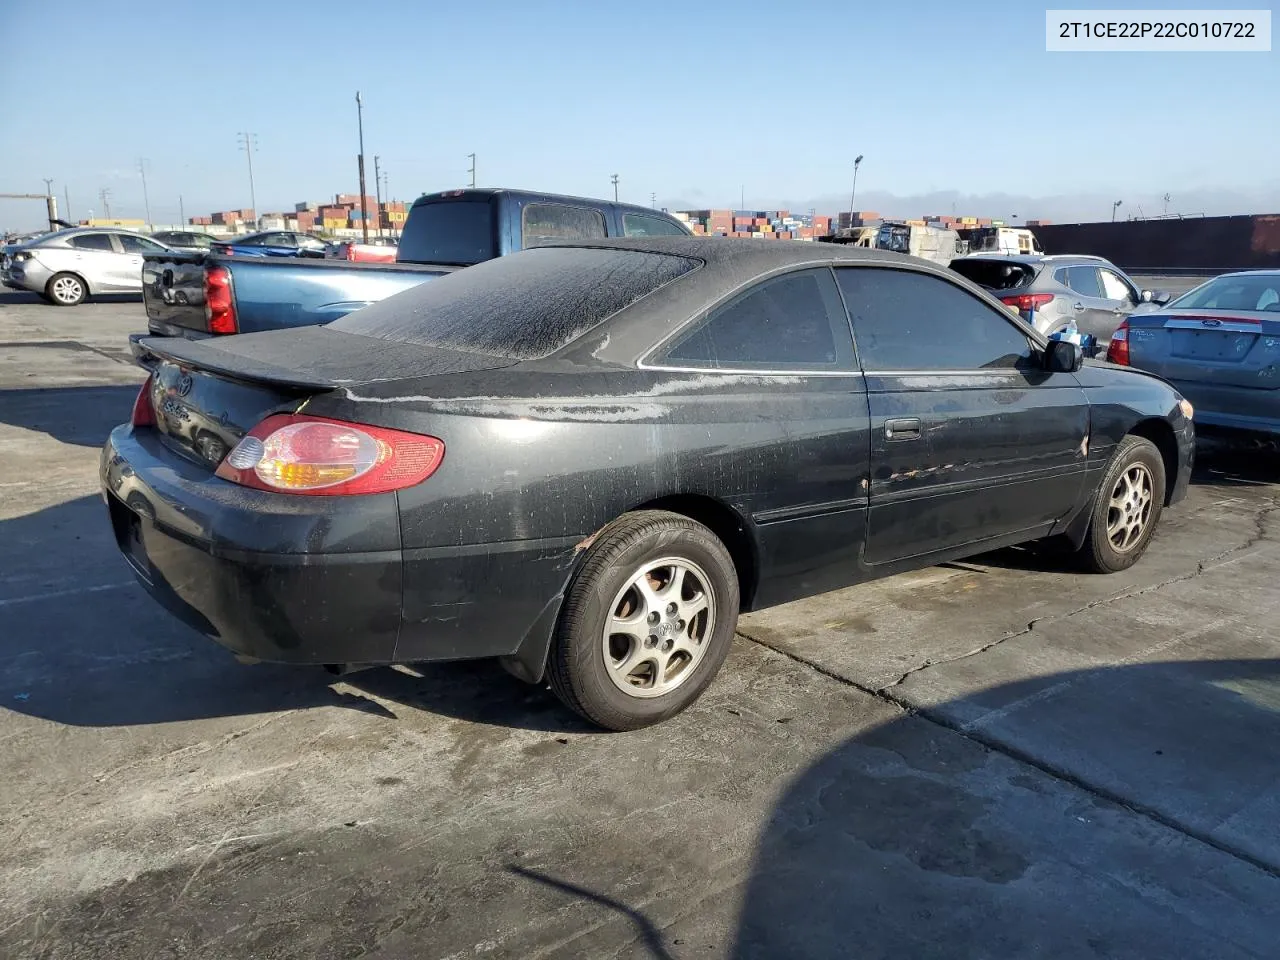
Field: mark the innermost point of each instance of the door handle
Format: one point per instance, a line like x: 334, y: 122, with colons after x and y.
x: 902, y: 429
x: 1077, y: 306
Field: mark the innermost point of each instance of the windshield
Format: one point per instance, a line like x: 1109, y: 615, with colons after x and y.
x: 523, y: 306
x: 1249, y: 292
x: 455, y: 232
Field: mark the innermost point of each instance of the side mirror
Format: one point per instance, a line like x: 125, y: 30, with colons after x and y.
x: 1063, y: 356
x: 1157, y: 297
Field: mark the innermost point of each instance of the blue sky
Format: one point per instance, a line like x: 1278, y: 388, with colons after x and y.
x: 949, y: 102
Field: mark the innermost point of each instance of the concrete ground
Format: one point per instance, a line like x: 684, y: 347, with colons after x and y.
x: 995, y: 758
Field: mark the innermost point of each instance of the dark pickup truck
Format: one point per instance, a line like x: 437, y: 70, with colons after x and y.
x: 199, y: 294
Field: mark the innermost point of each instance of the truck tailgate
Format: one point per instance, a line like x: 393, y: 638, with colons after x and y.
x: 173, y: 293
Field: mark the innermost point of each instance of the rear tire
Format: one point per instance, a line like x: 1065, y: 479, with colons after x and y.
x: 66, y: 290
x: 647, y: 622
x: 1126, y: 508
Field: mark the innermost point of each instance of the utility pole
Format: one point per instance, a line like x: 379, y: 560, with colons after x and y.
x: 1166, y: 199
x: 472, y: 171
x: 653, y: 200
x: 857, y: 162
x: 742, y: 196
x: 249, y: 143
x: 66, y: 195
x: 364, y: 211
x: 615, y: 188
x: 182, y: 213
x: 146, y: 200
x: 50, y: 202
x: 377, y: 187
x: 105, y: 196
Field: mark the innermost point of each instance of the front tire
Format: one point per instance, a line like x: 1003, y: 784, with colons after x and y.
x: 647, y: 623
x: 1126, y: 509
x: 66, y: 290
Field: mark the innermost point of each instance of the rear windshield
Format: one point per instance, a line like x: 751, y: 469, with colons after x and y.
x: 524, y: 306
x: 1258, y: 292
x: 457, y: 232
x: 995, y: 274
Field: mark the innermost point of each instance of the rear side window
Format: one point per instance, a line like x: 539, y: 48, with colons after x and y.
x: 903, y: 320
x: 524, y: 306
x: 139, y: 245
x: 1114, y: 288
x: 995, y: 274
x: 547, y: 222
x: 638, y: 225
x: 92, y: 241
x: 792, y: 322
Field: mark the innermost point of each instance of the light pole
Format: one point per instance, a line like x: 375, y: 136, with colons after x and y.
x: 142, y: 169
x: 364, y: 207
x: 472, y: 171
x: 377, y: 188
x: 857, y: 162
x: 250, y: 144
x: 1114, y: 207
x: 615, y: 188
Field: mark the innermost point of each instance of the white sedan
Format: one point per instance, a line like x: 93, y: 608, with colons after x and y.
x: 67, y: 266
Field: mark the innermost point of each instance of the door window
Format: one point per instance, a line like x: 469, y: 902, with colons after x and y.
x: 543, y: 222
x: 791, y: 322
x: 1085, y: 281
x: 638, y: 225
x: 1114, y: 287
x: 139, y: 244
x: 92, y: 241
x: 280, y: 240
x: 903, y: 320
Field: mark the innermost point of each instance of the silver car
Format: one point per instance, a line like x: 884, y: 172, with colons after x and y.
x: 67, y: 266
x: 1219, y: 344
x: 1049, y: 291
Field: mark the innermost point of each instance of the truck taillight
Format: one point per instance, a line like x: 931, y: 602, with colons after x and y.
x: 144, y: 414
x: 219, y: 304
x: 293, y: 453
x: 1118, y: 349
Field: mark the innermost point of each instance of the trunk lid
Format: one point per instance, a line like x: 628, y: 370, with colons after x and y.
x: 1228, y: 348
x: 207, y: 394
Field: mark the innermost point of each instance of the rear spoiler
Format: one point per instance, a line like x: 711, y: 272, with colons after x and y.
x: 148, y: 352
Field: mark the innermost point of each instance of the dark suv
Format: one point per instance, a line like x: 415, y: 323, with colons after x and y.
x: 1050, y: 291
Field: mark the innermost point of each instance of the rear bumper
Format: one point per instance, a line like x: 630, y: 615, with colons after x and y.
x: 1238, y: 409
x: 230, y: 562
x: 320, y: 579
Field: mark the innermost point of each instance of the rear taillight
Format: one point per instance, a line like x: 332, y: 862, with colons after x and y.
x: 292, y: 453
x: 144, y: 414
x: 351, y: 251
x: 1118, y: 350
x: 1027, y: 301
x: 219, y: 305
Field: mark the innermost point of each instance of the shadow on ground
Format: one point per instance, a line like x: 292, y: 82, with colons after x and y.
x: 906, y: 840
x: 16, y: 298
x: 77, y: 415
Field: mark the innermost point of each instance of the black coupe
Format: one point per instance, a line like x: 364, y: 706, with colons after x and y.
x: 586, y: 459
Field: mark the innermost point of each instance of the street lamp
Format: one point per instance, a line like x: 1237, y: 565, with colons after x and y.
x: 857, y: 161
x: 364, y: 207
x: 615, y: 187
x: 1114, y: 207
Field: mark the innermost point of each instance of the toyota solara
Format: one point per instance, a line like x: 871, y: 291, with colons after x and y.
x: 588, y: 458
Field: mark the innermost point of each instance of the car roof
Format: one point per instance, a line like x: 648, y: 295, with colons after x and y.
x: 1036, y: 258
x: 536, y: 195
x: 757, y: 255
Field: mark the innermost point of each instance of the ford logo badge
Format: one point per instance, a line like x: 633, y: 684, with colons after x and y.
x: 1211, y: 322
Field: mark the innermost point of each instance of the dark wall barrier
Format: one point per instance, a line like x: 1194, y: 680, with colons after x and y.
x: 1200, y: 243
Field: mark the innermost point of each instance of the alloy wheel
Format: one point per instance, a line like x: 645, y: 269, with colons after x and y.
x: 659, y: 627
x: 67, y: 290
x: 1129, y: 509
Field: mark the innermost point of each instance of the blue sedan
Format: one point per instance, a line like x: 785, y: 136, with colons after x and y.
x: 273, y: 243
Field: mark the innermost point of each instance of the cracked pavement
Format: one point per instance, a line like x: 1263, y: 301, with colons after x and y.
x: 992, y: 758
